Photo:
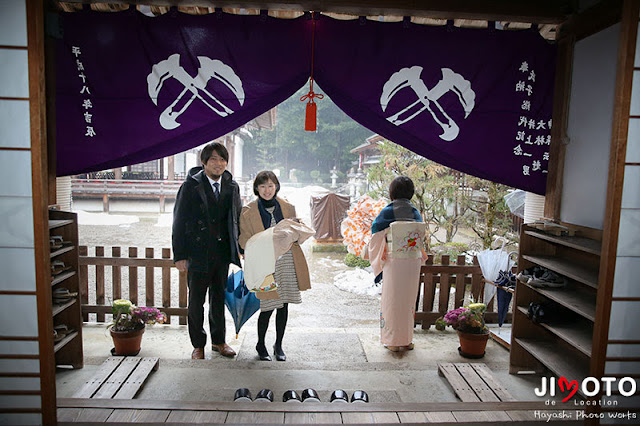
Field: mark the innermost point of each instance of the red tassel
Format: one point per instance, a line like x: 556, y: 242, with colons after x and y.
x: 310, y: 117
x: 310, y: 113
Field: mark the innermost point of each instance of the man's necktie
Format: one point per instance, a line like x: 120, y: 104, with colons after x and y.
x: 216, y: 191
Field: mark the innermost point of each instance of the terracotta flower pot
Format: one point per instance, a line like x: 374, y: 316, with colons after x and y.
x: 127, y: 342
x: 472, y: 345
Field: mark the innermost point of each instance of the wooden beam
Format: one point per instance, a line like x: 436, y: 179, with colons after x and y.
x: 532, y: 11
x: 595, y: 19
x: 326, y: 407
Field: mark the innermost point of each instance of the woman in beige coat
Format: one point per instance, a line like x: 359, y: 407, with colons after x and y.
x: 292, y: 272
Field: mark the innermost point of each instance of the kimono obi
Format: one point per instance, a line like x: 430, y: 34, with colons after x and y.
x: 405, y: 240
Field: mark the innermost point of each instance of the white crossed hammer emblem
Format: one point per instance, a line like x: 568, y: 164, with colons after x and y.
x: 410, y: 77
x: 196, y: 86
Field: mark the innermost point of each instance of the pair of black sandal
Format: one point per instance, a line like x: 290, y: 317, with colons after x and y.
x: 264, y: 355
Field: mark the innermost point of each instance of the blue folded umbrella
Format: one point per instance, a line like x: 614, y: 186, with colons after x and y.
x: 504, y: 298
x: 242, y: 303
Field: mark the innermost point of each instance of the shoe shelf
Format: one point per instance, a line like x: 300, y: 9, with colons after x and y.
x: 61, y: 277
x: 552, y: 357
x: 58, y: 223
x: 62, y: 343
x: 574, y: 333
x: 56, y: 309
x: 583, y: 303
x: 61, y: 251
x: 561, y: 344
x: 63, y: 231
x: 585, y: 274
x: 579, y: 243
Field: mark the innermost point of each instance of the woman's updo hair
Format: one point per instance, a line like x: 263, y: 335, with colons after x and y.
x: 263, y: 177
x: 401, y: 187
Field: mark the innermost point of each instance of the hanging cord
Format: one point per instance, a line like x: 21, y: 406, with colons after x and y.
x: 311, y: 94
x: 310, y: 116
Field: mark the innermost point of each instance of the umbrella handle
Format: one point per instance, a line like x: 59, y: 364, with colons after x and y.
x: 504, y: 242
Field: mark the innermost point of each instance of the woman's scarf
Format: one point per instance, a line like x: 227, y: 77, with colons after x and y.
x: 264, y: 214
x: 400, y: 209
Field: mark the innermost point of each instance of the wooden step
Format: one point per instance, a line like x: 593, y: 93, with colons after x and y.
x: 119, y: 378
x: 85, y: 410
x: 474, y: 382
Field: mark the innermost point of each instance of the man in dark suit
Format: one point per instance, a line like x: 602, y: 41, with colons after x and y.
x: 205, y: 242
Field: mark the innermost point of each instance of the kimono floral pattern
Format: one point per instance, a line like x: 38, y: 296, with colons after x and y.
x: 356, y: 227
x: 410, y: 242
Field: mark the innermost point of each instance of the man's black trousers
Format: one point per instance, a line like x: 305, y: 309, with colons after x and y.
x: 199, y: 282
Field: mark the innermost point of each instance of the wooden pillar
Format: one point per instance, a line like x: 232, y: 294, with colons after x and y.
x: 105, y: 203
x: 231, y: 147
x: 117, y: 173
x: 171, y: 173
x: 559, y: 129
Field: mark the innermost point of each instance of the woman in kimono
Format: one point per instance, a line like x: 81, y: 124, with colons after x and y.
x: 400, y: 275
x: 291, y: 272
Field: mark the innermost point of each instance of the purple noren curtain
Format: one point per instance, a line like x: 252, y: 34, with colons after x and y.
x: 131, y: 88
x: 476, y: 100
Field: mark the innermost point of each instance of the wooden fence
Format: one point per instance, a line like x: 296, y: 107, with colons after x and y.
x: 171, y: 298
x: 440, y: 279
x: 101, y: 302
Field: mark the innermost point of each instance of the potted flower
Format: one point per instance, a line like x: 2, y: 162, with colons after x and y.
x: 128, y: 325
x: 468, y: 322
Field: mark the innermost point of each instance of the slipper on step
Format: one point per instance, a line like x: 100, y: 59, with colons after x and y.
x: 55, y: 242
x: 57, y: 336
x: 58, y: 266
x: 63, y: 330
x: 64, y: 293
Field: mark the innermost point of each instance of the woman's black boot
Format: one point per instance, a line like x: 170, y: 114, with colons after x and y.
x: 262, y: 353
x: 279, y: 353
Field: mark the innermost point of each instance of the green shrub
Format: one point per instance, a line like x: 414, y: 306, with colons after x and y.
x: 451, y: 249
x: 317, y: 176
x: 301, y: 175
x: 355, y: 261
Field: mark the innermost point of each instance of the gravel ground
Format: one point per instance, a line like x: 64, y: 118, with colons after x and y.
x: 325, y: 305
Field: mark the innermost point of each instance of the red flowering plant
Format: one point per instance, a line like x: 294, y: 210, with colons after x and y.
x: 469, y: 319
x: 129, y: 317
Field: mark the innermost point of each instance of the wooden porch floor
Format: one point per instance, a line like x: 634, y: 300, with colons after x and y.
x: 74, y: 410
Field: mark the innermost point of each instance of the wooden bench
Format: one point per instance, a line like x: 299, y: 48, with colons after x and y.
x: 474, y: 382
x: 119, y: 378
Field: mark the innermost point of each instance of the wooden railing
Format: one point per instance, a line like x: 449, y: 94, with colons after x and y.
x: 171, y: 296
x: 469, y: 286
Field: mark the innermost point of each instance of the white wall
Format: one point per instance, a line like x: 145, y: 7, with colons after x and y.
x: 17, y: 258
x: 589, y: 127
